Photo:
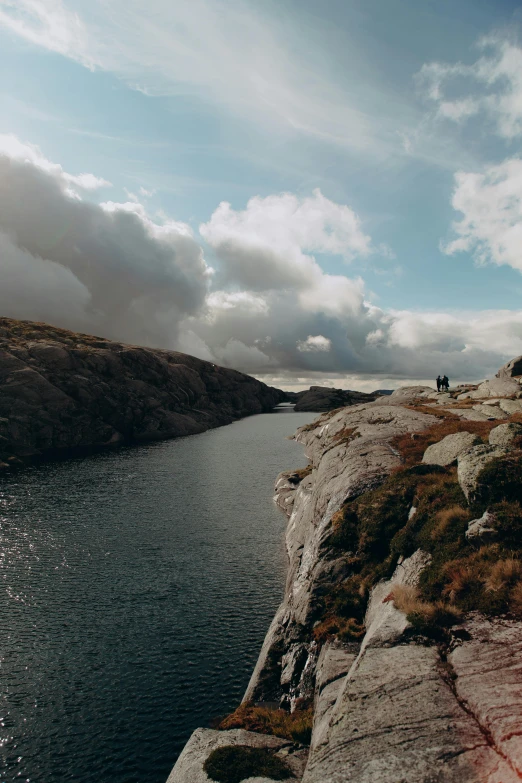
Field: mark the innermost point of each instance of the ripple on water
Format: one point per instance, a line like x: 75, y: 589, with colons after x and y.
x: 135, y: 589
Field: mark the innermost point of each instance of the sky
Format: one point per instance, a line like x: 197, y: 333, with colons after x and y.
x: 313, y: 193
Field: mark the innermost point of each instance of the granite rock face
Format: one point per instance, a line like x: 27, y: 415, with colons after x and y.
x: 61, y: 391
x: 350, y: 452
x: 396, y: 706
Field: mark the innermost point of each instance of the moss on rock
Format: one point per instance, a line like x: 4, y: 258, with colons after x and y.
x: 234, y: 763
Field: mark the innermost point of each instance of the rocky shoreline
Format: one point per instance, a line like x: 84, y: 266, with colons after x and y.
x: 63, y: 393
x: 400, y: 633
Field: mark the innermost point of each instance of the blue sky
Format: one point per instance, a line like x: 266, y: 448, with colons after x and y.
x: 405, y: 117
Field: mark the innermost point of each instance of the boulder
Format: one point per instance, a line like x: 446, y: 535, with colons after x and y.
x: 511, y: 406
x: 496, y: 387
x: 449, y: 448
x: 511, y: 369
x: 482, y: 528
x: 505, y: 434
x: 472, y: 462
x: 490, y: 411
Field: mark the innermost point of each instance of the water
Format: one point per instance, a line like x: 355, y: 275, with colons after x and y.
x: 135, y: 591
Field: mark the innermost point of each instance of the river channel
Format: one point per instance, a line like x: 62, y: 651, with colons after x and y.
x: 135, y: 591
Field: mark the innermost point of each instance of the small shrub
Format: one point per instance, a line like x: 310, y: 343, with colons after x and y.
x: 501, y: 480
x: 346, y: 435
x: 423, y: 613
x: 446, y: 517
x: 504, y: 573
x: 515, y: 600
x: 234, y: 763
x: 296, y: 726
x: 298, y: 475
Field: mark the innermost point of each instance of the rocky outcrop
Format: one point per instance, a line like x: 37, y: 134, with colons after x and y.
x: 513, y: 369
x: 323, y: 398
x: 61, y: 392
x: 410, y: 697
x: 350, y: 452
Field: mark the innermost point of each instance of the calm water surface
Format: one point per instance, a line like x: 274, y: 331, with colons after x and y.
x: 135, y: 591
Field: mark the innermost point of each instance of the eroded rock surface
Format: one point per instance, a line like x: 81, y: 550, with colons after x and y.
x: 61, y: 391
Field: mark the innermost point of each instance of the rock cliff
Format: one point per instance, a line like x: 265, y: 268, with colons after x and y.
x: 61, y: 391
x: 400, y: 633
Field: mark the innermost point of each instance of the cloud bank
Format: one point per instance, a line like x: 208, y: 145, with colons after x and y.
x: 269, y: 308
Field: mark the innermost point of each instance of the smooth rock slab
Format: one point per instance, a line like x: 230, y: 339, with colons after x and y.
x: 333, y: 665
x: 397, y: 721
x: 511, y: 406
x: 189, y: 766
x: 496, y: 387
x: 489, y: 679
x: 490, y: 411
x: 505, y: 434
x: 449, y: 448
x: 472, y: 462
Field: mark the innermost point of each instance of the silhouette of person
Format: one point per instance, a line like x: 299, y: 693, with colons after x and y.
x: 439, y: 382
x: 445, y: 382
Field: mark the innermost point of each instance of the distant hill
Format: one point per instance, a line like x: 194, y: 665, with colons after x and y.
x: 62, y: 392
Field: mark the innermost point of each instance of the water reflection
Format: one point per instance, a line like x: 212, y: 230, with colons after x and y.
x: 136, y: 588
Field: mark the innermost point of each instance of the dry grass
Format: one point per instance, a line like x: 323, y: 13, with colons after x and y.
x: 407, y: 599
x: 423, y: 614
x: 504, y: 573
x: 346, y: 435
x: 295, y: 725
x: 446, y: 517
x: 347, y: 629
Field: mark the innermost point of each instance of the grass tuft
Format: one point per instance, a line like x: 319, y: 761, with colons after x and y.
x: 296, y: 726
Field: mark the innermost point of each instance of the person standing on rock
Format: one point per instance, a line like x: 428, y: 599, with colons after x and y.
x: 439, y: 381
x: 445, y: 383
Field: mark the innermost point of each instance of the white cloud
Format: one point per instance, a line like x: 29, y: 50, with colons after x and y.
x: 132, y: 279
x: 236, y: 54
x: 13, y: 148
x: 491, y: 205
x: 492, y: 85
x: 267, y: 245
x: 114, y: 270
x: 314, y: 344
x: 47, y: 23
